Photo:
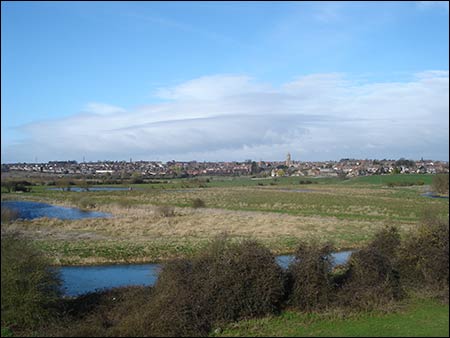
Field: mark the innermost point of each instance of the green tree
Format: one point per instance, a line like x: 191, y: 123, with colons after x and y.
x: 395, y: 171
x: 254, y: 168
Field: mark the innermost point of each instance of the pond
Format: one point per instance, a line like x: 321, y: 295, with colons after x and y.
x: 432, y: 195
x: 78, y: 189
x: 32, y: 210
x: 297, y: 190
x: 82, y: 279
x: 338, y: 257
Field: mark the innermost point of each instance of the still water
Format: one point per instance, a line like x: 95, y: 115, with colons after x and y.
x: 32, y: 210
x: 433, y: 195
x: 82, y: 279
x: 78, y: 189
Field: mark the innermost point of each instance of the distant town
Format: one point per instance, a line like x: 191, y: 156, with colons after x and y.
x: 344, y: 168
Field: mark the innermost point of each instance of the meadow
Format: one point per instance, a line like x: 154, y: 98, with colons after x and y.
x: 160, y: 221
x: 414, y: 318
x: 183, y: 218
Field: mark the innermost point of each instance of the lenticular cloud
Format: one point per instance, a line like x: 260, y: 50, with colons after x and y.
x: 318, y: 116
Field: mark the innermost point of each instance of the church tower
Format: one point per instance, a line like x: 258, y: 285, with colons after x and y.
x: 288, y: 160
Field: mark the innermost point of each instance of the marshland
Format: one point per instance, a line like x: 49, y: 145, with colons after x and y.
x: 156, y: 222
x: 191, y: 225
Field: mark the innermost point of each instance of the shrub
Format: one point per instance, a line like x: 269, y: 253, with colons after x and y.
x: 198, y: 203
x: 84, y: 184
x: 29, y: 287
x: 86, y: 203
x: 227, y: 282
x: 424, y: 256
x: 440, y: 183
x: 387, y: 242
x: 9, y: 215
x: 176, y: 308
x: 244, y: 280
x: 16, y: 186
x: 372, y: 279
x: 110, y: 313
x: 165, y: 211
x: 310, y: 281
x: 137, y: 181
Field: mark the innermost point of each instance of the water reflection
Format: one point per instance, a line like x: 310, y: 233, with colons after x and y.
x: 32, y: 210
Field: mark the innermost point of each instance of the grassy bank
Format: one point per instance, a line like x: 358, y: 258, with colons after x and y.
x: 414, y: 318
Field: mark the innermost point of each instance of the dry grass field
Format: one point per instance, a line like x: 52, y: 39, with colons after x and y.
x: 151, y: 225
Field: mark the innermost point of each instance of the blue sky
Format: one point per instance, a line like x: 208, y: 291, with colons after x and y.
x: 224, y: 80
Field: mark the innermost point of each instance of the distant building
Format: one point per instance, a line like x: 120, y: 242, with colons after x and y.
x: 104, y: 171
x: 288, y: 160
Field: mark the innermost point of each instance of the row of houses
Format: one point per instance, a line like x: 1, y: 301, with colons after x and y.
x: 344, y: 167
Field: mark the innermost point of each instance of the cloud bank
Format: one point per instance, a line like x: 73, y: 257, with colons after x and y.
x: 235, y: 117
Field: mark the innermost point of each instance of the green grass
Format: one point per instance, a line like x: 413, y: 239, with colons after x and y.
x: 344, y: 211
x: 6, y: 332
x: 107, y: 252
x: 344, y: 201
x: 385, y: 179
x: 418, y: 318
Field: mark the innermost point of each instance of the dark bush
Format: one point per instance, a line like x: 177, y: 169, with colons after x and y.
x: 9, y: 215
x: 110, y: 313
x: 440, y: 183
x: 165, y: 211
x: 372, y: 279
x: 402, y: 184
x: 227, y: 282
x: 29, y: 287
x: 16, y: 185
x: 310, y: 284
x: 198, y: 203
x: 387, y: 242
x: 244, y: 280
x: 424, y: 256
x: 137, y: 181
x: 85, y: 202
x: 177, y: 307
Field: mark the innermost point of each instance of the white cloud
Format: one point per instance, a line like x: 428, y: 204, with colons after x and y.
x: 211, y: 88
x: 103, y: 109
x: 226, y: 117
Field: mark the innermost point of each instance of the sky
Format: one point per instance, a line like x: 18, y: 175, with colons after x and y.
x: 224, y: 81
